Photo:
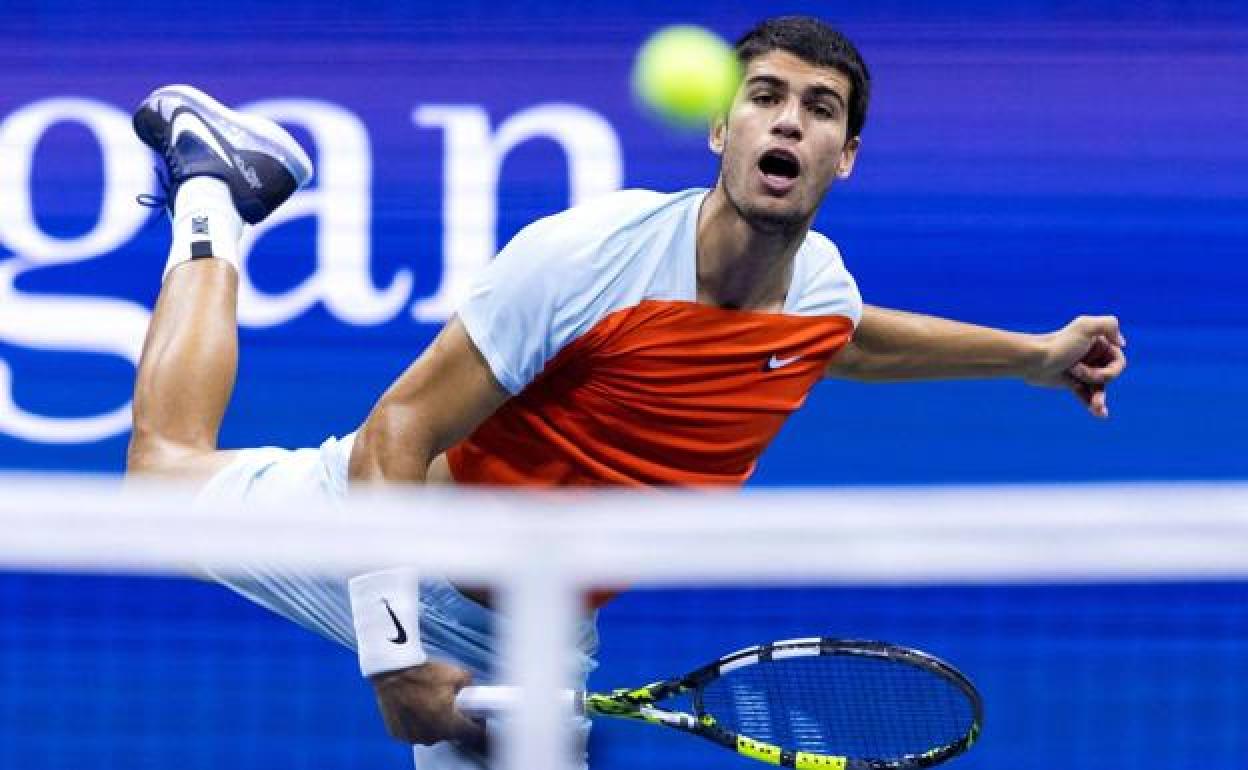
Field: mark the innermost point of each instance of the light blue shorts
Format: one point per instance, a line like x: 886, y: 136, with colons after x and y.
x: 453, y: 628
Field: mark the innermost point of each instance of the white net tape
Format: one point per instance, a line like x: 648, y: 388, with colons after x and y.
x: 859, y: 535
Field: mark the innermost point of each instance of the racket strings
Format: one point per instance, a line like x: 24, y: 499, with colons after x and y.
x: 862, y: 707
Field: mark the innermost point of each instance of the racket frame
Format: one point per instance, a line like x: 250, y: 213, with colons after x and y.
x: 639, y: 703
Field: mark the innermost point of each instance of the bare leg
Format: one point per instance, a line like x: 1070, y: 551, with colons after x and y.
x: 222, y: 168
x: 186, y: 374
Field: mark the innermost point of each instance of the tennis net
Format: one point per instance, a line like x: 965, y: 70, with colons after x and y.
x: 1103, y: 625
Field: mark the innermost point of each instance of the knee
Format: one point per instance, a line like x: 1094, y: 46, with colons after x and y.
x: 151, y: 455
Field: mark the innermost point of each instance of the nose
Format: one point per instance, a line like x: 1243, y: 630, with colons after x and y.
x: 788, y: 121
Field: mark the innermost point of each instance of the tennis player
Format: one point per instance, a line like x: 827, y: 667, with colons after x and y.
x: 639, y: 339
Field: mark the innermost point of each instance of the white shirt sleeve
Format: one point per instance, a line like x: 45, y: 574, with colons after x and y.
x: 510, y: 308
x: 557, y: 278
x: 828, y: 287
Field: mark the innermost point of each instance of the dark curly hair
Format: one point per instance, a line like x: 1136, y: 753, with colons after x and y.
x: 816, y: 43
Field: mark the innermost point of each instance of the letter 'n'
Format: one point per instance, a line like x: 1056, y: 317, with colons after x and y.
x: 472, y: 160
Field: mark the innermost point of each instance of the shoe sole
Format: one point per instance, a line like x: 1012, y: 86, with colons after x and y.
x: 274, y: 139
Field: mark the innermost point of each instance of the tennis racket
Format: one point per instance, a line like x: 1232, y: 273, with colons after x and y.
x: 826, y: 704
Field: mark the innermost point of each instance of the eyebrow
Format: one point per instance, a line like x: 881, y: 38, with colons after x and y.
x: 775, y: 82
x: 826, y: 91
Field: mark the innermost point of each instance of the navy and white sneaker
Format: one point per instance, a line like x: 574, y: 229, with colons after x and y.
x: 198, y: 136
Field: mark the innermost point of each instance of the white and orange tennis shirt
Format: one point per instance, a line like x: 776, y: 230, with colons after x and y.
x: 618, y: 376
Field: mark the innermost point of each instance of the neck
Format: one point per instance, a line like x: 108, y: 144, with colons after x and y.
x: 741, y: 266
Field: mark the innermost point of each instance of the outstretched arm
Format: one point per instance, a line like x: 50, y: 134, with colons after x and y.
x: 895, y: 346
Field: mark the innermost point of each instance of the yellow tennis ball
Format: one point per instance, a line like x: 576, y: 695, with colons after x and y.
x: 686, y: 74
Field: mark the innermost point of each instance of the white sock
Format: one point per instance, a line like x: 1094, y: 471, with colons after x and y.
x: 205, y: 223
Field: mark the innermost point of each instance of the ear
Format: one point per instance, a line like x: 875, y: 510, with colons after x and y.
x: 715, y: 139
x: 849, y: 154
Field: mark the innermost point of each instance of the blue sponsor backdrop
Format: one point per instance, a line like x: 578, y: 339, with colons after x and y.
x: 1023, y: 162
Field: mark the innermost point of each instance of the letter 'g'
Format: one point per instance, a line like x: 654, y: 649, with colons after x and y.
x: 127, y: 173
x: 51, y: 322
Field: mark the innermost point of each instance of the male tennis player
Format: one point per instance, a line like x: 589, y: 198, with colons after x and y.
x: 640, y: 339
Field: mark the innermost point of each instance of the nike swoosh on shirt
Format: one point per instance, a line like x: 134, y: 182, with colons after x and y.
x: 182, y: 122
x: 778, y: 363
x: 402, y: 637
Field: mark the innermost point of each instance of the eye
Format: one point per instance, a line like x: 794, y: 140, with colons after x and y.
x: 764, y: 98
x: 824, y: 112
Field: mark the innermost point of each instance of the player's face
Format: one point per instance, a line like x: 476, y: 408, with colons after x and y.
x: 784, y: 141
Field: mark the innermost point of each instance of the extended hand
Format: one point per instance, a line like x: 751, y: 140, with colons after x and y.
x: 418, y: 705
x: 1084, y: 356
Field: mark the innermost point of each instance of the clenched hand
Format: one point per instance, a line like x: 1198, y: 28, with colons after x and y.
x: 1084, y: 356
x: 418, y: 705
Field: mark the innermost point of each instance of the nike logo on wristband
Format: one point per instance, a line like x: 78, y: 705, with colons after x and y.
x: 402, y: 637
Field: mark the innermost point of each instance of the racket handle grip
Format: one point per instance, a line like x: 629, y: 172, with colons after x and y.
x: 484, y: 701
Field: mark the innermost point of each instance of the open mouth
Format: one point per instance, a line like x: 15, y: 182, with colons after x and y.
x: 780, y: 164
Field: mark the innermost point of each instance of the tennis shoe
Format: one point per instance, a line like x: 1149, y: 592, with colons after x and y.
x: 196, y: 135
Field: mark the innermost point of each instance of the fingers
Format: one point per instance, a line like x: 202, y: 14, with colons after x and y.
x: 1092, y: 396
x: 1101, y: 326
x: 462, y: 728
x: 427, y: 727
x: 1102, y: 364
x: 1098, y: 406
x: 469, y: 733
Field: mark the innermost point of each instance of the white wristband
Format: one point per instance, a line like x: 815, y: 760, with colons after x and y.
x: 385, y: 607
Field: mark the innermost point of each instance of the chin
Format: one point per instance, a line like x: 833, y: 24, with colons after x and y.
x: 774, y: 216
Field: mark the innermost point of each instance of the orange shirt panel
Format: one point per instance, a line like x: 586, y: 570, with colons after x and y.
x: 662, y: 393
